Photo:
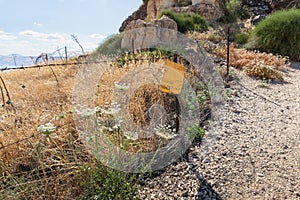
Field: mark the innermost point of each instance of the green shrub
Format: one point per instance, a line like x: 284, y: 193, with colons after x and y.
x: 111, y: 45
x: 279, y: 33
x: 100, y: 182
x: 197, y: 132
x: 241, y: 38
x: 187, y: 21
x: 235, y: 10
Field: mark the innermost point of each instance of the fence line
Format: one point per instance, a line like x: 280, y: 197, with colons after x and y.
x: 60, y: 54
x: 2, y: 147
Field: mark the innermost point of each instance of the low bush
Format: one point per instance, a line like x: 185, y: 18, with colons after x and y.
x: 279, y: 33
x: 242, y: 38
x: 187, y: 21
x: 100, y: 182
x: 111, y: 45
x: 235, y: 10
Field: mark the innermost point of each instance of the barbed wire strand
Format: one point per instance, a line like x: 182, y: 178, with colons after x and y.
x: 19, y: 141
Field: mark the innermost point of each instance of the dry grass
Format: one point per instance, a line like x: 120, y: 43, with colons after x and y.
x: 34, y: 165
x: 254, y: 63
x: 140, y: 102
x: 42, y: 165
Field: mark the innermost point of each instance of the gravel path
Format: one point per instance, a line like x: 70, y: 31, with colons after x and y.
x: 256, y: 156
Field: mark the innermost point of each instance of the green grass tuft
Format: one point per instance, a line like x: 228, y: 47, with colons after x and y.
x: 279, y: 33
x: 187, y: 21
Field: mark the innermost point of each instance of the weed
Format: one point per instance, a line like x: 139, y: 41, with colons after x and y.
x: 100, y: 182
x: 196, y: 132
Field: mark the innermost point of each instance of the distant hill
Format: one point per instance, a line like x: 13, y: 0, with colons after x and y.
x: 16, y: 60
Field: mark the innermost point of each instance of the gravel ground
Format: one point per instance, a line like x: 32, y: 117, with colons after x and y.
x: 255, y: 156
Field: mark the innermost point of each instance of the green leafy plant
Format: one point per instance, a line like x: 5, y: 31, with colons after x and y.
x: 100, y: 182
x: 187, y: 21
x: 197, y: 132
x: 242, y: 38
x: 279, y: 33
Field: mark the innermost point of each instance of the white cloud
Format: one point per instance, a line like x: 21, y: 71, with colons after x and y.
x: 30, y: 42
x: 37, y: 24
x: 6, y: 36
x: 98, y: 36
x: 42, y: 36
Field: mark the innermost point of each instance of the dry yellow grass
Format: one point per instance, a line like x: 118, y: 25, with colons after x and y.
x: 139, y: 103
x: 37, y: 166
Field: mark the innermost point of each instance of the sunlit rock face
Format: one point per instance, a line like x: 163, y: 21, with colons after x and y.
x: 209, y: 9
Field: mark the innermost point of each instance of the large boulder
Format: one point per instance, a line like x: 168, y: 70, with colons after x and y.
x: 163, y: 29
x: 163, y: 22
x: 155, y: 6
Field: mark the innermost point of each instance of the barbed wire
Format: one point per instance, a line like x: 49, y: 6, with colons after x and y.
x: 2, y: 147
x: 59, y: 54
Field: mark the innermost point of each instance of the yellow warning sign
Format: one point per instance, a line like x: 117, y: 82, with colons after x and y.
x: 173, y: 78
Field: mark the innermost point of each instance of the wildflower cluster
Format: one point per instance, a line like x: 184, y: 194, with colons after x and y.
x: 46, y: 129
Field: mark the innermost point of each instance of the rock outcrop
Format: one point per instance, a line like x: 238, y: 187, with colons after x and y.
x: 284, y: 4
x: 141, y: 13
x: 163, y: 22
x: 209, y: 9
x: 155, y: 6
x: 164, y: 30
x: 265, y: 7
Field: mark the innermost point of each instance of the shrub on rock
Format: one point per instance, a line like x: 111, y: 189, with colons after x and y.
x: 186, y: 21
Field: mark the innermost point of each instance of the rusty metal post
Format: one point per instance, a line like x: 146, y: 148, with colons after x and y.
x: 66, y: 53
x: 228, y: 53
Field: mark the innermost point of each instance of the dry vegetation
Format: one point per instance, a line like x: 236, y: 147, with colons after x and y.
x: 140, y: 102
x: 34, y: 164
x: 38, y: 164
x: 254, y: 63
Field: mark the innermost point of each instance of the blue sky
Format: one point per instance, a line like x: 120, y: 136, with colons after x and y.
x: 30, y: 27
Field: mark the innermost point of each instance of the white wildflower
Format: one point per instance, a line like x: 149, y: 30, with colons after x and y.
x: 122, y: 86
x: 165, y: 131
x: 131, y: 135
x: 46, y: 128
x: 111, y: 110
x: 85, y: 112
